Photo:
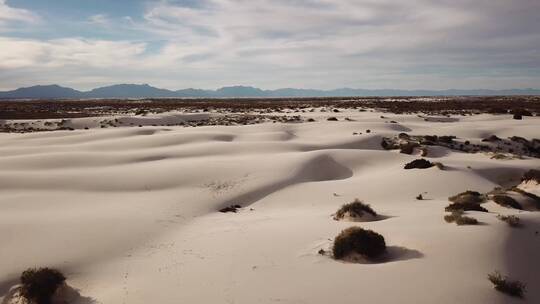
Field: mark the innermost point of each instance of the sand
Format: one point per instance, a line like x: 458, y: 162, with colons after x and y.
x: 130, y: 214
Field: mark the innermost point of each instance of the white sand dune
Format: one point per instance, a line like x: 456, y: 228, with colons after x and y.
x: 130, y: 215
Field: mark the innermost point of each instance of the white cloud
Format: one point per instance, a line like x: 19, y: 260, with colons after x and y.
x: 99, y: 19
x: 8, y: 14
x: 303, y: 43
x: 60, y: 53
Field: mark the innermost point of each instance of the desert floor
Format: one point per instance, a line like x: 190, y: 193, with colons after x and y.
x: 130, y: 214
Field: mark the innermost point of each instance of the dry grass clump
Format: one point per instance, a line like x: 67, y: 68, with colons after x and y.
x: 507, y: 286
x: 511, y: 220
x: 506, y: 201
x: 356, y: 210
x: 420, y: 163
x: 355, y: 240
x: 39, y: 285
x: 460, y: 219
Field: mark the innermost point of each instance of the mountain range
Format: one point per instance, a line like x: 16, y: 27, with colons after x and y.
x: 145, y: 90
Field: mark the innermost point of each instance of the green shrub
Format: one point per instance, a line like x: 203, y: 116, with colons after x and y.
x: 506, y: 201
x: 355, y: 209
x: 366, y: 243
x: 39, y: 285
x: 507, y: 286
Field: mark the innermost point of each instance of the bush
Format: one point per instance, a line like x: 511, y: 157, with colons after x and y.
x: 458, y: 218
x: 332, y: 119
x: 465, y: 207
x: 39, y: 285
x: 468, y: 197
x: 419, y: 164
x: 366, y: 243
x: 511, y: 220
x: 506, y: 201
x: 466, y: 220
x: 507, y: 286
x: 355, y: 209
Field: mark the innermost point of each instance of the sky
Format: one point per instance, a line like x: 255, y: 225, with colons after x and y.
x: 322, y: 44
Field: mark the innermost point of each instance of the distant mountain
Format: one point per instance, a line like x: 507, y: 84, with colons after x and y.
x: 145, y: 90
x: 42, y: 91
x: 129, y: 91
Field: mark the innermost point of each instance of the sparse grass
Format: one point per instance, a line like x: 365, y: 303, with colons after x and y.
x: 507, y: 286
x: 39, y: 285
x: 511, y: 220
x: 355, y: 240
x: 355, y: 209
x: 506, y: 201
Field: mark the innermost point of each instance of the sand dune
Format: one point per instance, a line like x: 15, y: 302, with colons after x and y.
x: 130, y: 215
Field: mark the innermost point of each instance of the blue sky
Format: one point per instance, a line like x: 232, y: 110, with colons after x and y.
x: 428, y: 44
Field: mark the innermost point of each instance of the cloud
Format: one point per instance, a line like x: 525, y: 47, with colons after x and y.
x: 99, y: 19
x: 60, y: 53
x: 303, y: 43
x: 10, y: 14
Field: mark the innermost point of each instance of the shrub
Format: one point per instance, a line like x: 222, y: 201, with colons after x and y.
x: 332, y: 119
x: 366, y: 243
x: 458, y: 218
x: 466, y: 220
x: 419, y: 164
x: 231, y: 208
x: 39, y: 285
x: 355, y: 209
x: 507, y: 286
x: 465, y: 207
x: 511, y: 220
x: 468, y: 197
x: 420, y: 197
x: 506, y: 201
